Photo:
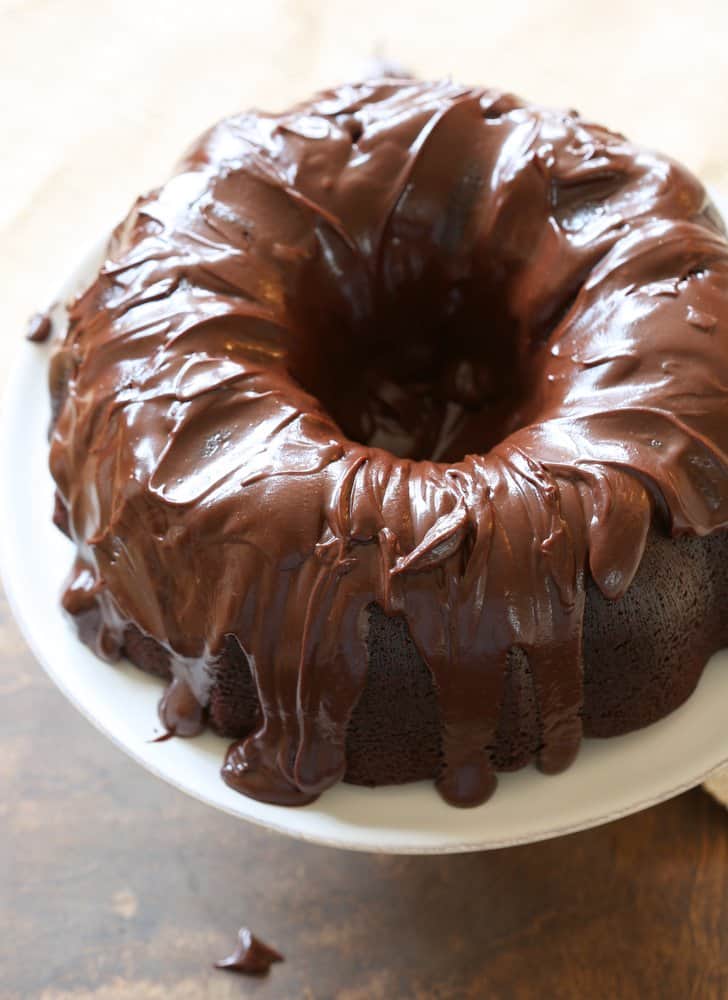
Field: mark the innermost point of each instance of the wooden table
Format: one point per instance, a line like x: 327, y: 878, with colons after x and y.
x: 113, y: 885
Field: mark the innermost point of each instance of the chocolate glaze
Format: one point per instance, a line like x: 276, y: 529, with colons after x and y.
x: 39, y: 329
x: 180, y: 711
x: 412, y: 345
x: 251, y: 956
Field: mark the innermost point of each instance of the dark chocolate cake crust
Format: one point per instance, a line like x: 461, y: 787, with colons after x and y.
x: 392, y: 433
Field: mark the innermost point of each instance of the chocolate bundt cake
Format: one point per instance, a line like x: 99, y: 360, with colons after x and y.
x: 393, y: 434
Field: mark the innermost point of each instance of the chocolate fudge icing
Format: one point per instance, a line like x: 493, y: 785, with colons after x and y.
x: 251, y: 956
x: 409, y: 345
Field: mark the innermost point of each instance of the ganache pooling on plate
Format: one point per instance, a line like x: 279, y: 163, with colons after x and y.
x: 409, y: 345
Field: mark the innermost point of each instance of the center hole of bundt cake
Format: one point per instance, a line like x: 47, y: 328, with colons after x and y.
x: 425, y: 379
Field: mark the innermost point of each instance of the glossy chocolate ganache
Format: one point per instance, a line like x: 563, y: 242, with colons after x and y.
x: 412, y: 374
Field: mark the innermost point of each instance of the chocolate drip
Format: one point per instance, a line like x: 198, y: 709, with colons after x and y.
x: 413, y: 345
x: 251, y: 956
x: 180, y: 711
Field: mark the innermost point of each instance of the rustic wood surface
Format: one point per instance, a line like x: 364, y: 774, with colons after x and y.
x: 113, y: 885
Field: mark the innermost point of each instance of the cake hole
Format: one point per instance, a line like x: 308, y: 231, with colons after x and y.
x: 433, y: 377
x: 413, y: 346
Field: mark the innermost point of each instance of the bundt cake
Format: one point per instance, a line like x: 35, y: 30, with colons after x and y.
x: 393, y: 434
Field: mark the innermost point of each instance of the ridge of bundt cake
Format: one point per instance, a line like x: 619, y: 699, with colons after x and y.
x: 392, y: 433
